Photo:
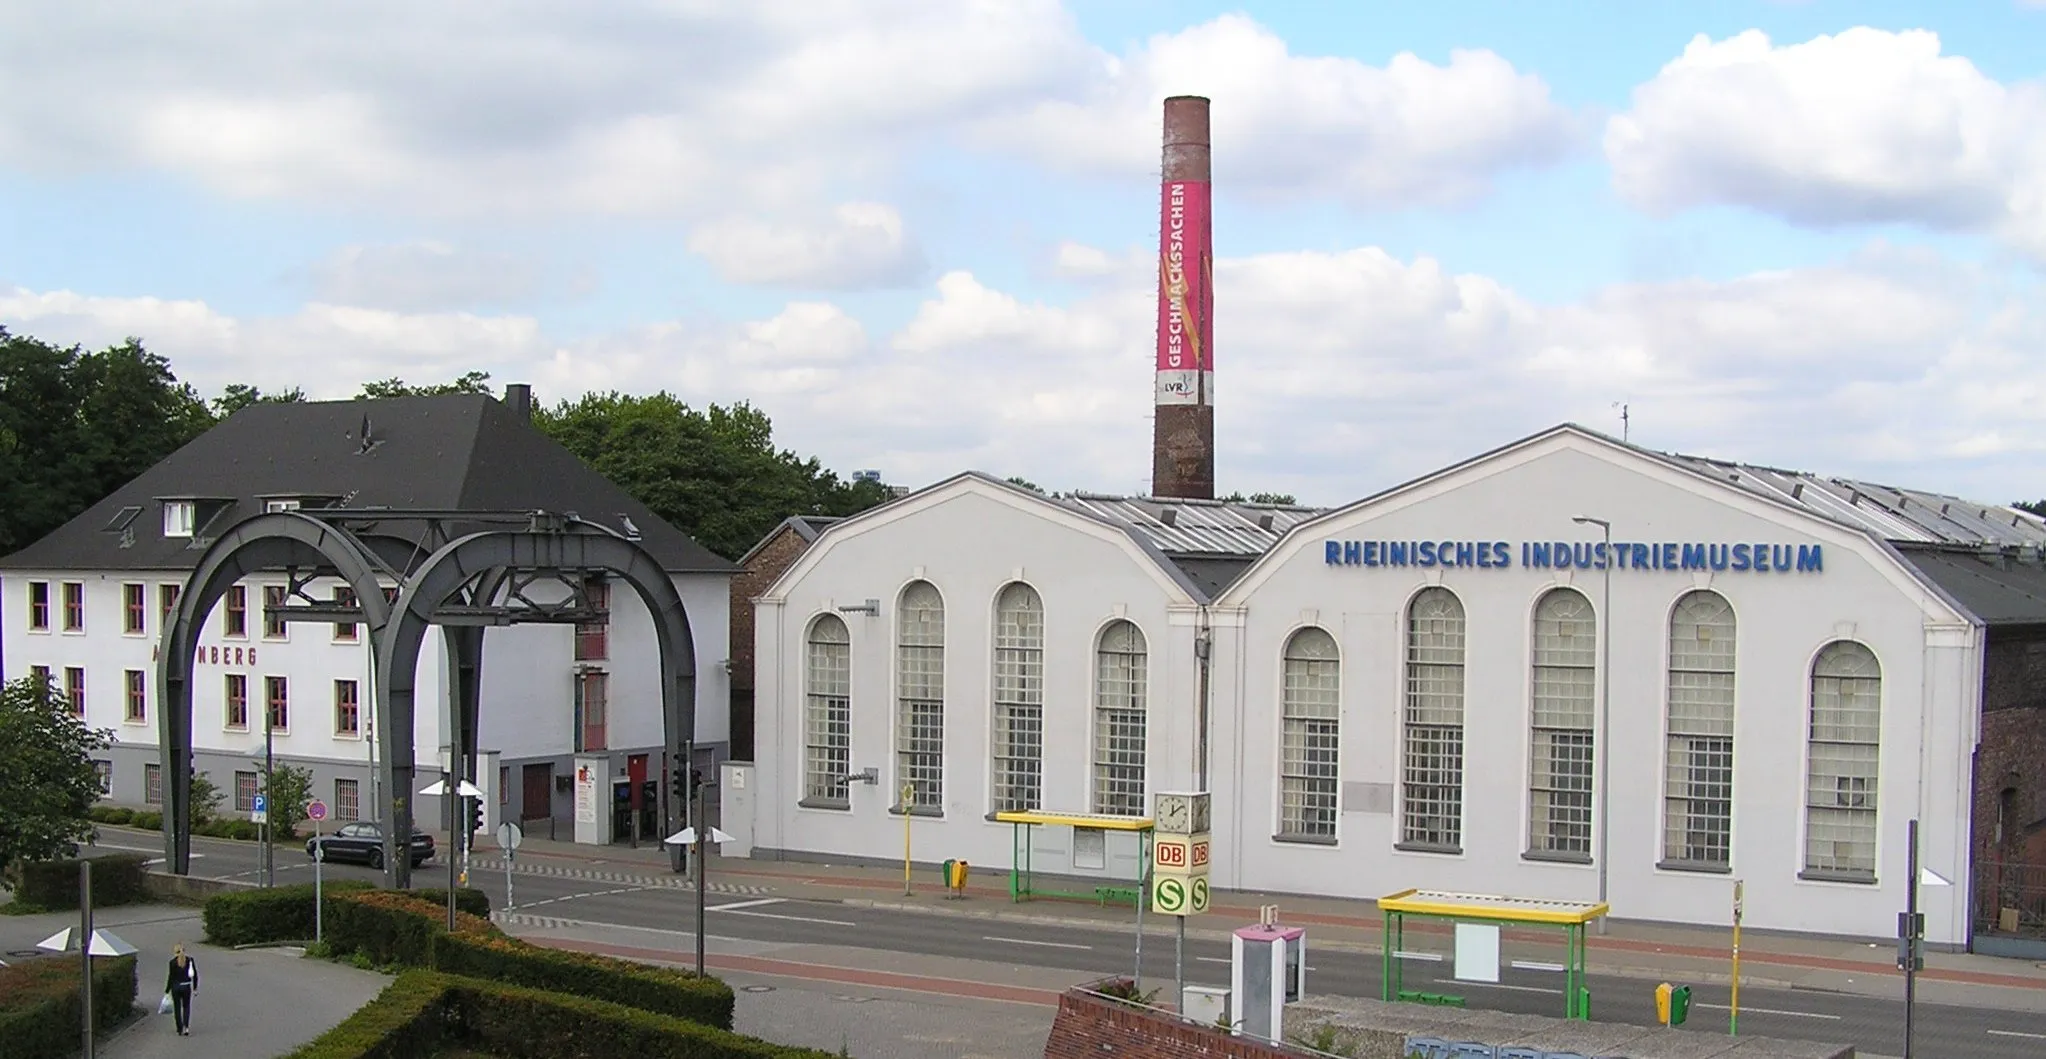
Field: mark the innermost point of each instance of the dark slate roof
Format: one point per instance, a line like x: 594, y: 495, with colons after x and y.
x: 1211, y: 574
x: 1999, y: 586
x: 458, y: 451
x: 805, y: 526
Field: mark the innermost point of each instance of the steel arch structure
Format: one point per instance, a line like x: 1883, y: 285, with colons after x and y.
x: 285, y: 539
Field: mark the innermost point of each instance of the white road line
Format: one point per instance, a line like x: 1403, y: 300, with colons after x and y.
x: 1044, y: 944
x: 795, y: 919
x: 1501, y: 985
x: 747, y: 904
x: 1212, y: 959
x: 2015, y: 1033
x: 1431, y: 957
x: 1534, y: 965
x: 1770, y: 1011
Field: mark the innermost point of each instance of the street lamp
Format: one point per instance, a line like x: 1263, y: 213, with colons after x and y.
x: 1604, y: 748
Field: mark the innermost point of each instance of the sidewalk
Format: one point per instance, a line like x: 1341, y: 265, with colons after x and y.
x: 1633, y: 949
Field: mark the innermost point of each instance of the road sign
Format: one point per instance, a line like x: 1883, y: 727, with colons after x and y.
x: 509, y: 836
x: 259, y: 811
x: 316, y: 810
x: 1168, y: 895
x: 1171, y: 854
x: 687, y: 836
x: 1197, y: 895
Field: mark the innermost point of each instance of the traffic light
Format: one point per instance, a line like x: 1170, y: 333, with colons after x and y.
x: 475, y: 814
x: 695, y: 781
x: 677, y: 783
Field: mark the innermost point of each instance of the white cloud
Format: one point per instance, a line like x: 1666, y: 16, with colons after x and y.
x: 425, y: 275
x: 1408, y: 132
x: 1863, y: 126
x: 862, y: 245
x: 1340, y: 373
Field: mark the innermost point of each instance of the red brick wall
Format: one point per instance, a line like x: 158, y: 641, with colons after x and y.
x: 1091, y: 1027
x: 773, y: 558
x: 2012, y: 754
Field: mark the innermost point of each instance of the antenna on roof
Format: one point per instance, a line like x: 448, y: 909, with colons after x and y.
x: 1624, y: 420
x: 366, y: 441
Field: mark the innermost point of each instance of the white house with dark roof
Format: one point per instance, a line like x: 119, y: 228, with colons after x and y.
x: 1459, y: 683
x: 87, y: 606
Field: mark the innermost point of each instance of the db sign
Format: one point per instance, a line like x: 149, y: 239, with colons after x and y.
x: 1181, y: 853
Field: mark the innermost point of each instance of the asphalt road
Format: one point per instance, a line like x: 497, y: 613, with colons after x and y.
x: 1871, y: 1024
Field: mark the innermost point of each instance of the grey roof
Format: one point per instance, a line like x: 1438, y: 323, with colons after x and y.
x: 805, y: 526
x: 1999, y: 586
x: 453, y: 452
x: 1889, y: 512
x: 1211, y: 542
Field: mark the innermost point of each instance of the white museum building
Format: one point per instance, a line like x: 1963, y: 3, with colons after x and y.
x: 1770, y: 672
x: 87, y: 607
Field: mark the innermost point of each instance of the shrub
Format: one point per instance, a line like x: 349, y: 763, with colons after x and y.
x: 111, y: 814
x: 423, y: 1013
x: 393, y: 927
x: 281, y: 913
x: 39, y: 1003
x: 147, y: 820
x: 467, y: 900
x: 117, y: 879
x: 240, y: 830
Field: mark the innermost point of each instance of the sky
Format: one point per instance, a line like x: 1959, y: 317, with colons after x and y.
x: 922, y: 234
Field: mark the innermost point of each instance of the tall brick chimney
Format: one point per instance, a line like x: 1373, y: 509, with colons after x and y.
x: 1183, y: 427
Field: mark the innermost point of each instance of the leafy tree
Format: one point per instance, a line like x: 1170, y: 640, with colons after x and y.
x: 285, y: 797
x: 75, y: 426
x: 50, y: 782
x: 1019, y: 480
x: 2036, y: 507
x: 467, y: 382
x: 715, y: 473
x: 1258, y: 498
x: 206, y: 799
x: 240, y: 395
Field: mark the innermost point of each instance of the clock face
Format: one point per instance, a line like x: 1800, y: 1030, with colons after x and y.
x: 1174, y: 814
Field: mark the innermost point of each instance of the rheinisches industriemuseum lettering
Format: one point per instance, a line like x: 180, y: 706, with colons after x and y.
x: 1753, y: 557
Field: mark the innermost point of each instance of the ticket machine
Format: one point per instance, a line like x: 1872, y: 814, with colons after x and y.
x: 1268, y: 970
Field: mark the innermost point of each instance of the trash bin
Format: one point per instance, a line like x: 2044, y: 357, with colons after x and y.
x: 1672, y: 1004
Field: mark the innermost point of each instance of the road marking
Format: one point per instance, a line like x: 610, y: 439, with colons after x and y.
x: 593, y: 893
x: 794, y: 919
x: 2015, y: 1033
x: 1514, y: 988
x: 1045, y: 944
x: 1431, y: 957
x: 747, y: 904
x: 1534, y: 965
x: 1746, y: 1010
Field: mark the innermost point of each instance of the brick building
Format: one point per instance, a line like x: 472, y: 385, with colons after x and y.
x: 758, y: 568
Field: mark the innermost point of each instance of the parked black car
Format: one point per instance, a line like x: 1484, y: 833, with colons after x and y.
x: 363, y: 841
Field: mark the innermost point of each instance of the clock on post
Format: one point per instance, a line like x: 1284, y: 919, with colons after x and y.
x: 1180, y: 853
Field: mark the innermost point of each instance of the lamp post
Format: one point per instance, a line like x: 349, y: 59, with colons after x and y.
x: 1604, y: 748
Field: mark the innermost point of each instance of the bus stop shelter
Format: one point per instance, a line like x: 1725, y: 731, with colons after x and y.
x: 1485, y: 910
x: 1022, y: 880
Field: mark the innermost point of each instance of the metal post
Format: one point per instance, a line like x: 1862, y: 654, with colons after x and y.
x: 702, y: 837
x: 85, y: 947
x: 448, y: 801
x: 1603, y: 745
x: 508, y: 854
x: 269, y: 834
x: 1143, y: 898
x: 1910, y: 946
x: 1179, y: 969
x: 319, y: 891
x: 908, y: 803
x: 1733, y: 1014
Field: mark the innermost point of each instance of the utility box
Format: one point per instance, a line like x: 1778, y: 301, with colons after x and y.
x: 1205, y: 1004
x: 1268, y: 970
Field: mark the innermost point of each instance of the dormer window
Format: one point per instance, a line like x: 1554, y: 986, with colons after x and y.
x: 179, y: 517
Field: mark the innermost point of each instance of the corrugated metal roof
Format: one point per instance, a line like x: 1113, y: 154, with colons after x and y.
x: 1900, y: 515
x: 1196, y: 527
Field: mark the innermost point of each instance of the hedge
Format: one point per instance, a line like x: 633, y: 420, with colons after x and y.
x: 117, y: 879
x: 39, y: 1003
x: 423, y: 1013
x: 395, y: 927
x: 278, y: 913
x: 236, y: 828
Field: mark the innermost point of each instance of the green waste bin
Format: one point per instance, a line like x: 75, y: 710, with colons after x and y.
x: 1679, y: 1004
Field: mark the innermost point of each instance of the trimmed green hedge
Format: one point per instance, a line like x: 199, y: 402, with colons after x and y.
x: 39, y: 1003
x: 239, y: 829
x: 391, y: 927
x: 279, y: 913
x: 423, y: 1013
x: 468, y: 900
x: 117, y: 879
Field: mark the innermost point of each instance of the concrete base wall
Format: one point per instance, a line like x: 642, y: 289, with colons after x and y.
x: 1371, y: 1029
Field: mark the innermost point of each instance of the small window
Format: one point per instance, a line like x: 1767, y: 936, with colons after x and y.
x: 134, y: 609
x: 237, y: 616
x: 74, y: 689
x: 347, y: 804
x: 152, y: 784
x: 238, y: 701
x: 591, y: 636
x: 347, y: 715
x: 39, y: 605
x: 278, y: 695
x: 178, y: 517
x: 274, y: 625
x: 167, y: 600
x: 104, y: 769
x: 42, y: 676
x: 244, y: 792
x: 345, y: 597
x: 74, y: 606
x: 138, y: 696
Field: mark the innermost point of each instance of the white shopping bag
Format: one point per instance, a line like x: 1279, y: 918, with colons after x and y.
x: 163, y: 1007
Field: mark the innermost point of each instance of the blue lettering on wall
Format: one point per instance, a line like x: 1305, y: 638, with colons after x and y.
x: 1744, y: 557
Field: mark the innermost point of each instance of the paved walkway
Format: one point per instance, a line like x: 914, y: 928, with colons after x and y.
x: 1637, y: 949
x: 252, y: 1004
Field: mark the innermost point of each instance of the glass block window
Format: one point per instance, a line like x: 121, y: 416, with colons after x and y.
x: 1431, y: 807
x: 1840, y: 788
x: 1312, y: 712
x: 1698, y: 764
x: 1019, y: 699
x: 920, y: 691
x: 1565, y: 685
x: 1119, y: 730
x: 827, y: 713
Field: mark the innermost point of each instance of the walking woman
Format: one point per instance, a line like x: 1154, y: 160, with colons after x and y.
x: 182, y: 983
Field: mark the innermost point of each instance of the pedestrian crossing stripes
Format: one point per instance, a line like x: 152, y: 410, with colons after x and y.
x: 671, y: 882
x: 522, y: 919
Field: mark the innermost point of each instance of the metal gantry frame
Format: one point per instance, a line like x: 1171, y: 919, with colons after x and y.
x: 1572, y: 917
x: 449, y: 574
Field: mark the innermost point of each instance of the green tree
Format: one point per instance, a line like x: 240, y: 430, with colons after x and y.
x: 206, y: 799
x: 50, y: 782
x: 1025, y: 483
x: 715, y: 473
x: 240, y: 395
x: 75, y: 426
x: 2035, y: 507
x: 285, y: 797
x: 467, y: 382
x: 1258, y: 498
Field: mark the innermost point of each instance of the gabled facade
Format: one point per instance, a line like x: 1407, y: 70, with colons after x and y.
x: 88, y: 603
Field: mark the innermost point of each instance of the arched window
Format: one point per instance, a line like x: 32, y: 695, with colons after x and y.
x: 1313, y: 726
x: 827, y: 714
x: 1432, y: 797
x: 1840, y: 792
x: 1565, y: 680
x: 1019, y: 699
x: 920, y: 687
x: 1119, y: 679
x: 1698, y: 768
